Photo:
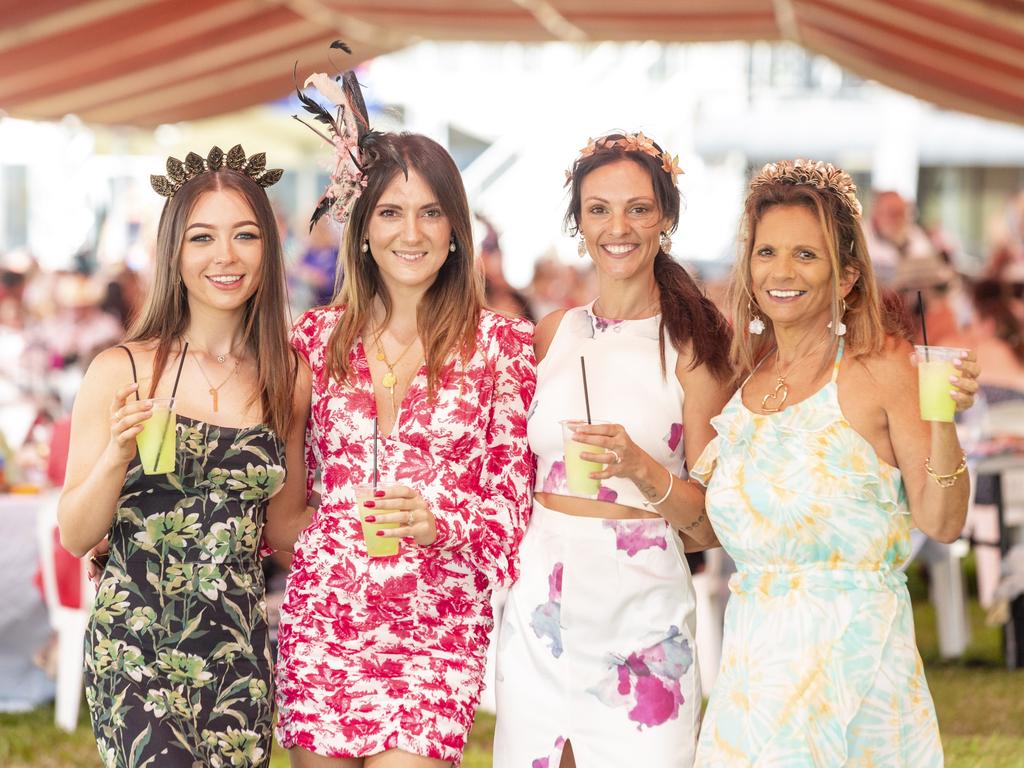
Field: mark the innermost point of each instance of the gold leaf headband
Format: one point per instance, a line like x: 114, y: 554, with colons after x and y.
x: 631, y: 142
x: 178, y: 173
x: 813, y: 173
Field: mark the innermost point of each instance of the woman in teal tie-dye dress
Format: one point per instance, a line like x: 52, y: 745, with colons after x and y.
x: 820, y: 466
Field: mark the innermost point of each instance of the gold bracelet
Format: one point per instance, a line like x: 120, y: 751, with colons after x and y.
x: 946, y: 481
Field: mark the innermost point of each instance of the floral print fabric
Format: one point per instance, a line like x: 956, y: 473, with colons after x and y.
x: 178, y: 667
x: 819, y: 665
x: 596, y: 647
x: 384, y: 653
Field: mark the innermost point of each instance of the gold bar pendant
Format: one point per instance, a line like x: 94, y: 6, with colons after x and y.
x: 213, y: 394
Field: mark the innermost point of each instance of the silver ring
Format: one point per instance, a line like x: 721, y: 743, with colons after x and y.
x: 613, y: 453
x: 408, y: 520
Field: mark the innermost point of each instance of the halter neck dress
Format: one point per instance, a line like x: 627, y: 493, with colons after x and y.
x: 819, y: 664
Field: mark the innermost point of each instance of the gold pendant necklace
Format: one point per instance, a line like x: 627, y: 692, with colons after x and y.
x: 776, y: 399
x: 215, y: 390
x: 390, y: 380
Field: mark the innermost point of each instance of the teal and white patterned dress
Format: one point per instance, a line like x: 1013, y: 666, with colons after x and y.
x: 178, y: 666
x: 819, y: 664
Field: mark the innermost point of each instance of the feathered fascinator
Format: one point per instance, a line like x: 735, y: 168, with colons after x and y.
x: 347, y: 131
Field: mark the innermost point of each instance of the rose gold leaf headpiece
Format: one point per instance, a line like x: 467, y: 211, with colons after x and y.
x: 631, y: 142
x: 814, y: 173
x: 179, y: 173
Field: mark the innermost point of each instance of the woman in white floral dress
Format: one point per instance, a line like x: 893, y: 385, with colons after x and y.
x: 178, y: 663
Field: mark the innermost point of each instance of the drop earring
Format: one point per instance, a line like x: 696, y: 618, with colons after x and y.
x: 581, y: 247
x: 451, y: 246
x: 365, y: 247
x: 666, y: 243
x: 840, y: 329
x: 756, y: 325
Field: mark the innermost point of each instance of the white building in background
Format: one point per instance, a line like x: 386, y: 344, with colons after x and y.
x: 515, y: 115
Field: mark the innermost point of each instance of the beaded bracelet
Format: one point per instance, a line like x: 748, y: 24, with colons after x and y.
x: 946, y: 481
x: 671, y: 482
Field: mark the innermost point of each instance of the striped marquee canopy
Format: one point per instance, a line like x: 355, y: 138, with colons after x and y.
x: 145, y: 62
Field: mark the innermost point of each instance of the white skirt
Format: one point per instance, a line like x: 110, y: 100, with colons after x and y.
x: 596, y: 647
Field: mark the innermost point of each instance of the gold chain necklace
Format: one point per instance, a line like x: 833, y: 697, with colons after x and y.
x: 215, y: 390
x: 390, y: 380
x: 776, y: 399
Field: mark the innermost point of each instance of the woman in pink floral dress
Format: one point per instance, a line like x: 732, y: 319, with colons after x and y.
x: 382, y: 658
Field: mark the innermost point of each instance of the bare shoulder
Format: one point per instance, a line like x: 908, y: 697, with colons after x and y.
x: 892, y: 364
x: 109, y: 371
x: 545, y: 332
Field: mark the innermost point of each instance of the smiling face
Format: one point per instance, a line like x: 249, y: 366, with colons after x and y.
x: 222, y: 252
x: 409, y: 234
x: 791, y: 269
x: 620, y: 219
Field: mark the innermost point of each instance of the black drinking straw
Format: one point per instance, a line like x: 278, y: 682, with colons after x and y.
x: 170, y: 408
x: 375, y: 453
x: 924, y: 329
x: 586, y: 395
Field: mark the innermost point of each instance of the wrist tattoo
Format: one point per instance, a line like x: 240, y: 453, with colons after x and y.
x: 700, y: 519
x: 648, y: 490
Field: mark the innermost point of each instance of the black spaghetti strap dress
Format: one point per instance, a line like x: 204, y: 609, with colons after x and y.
x: 178, y: 666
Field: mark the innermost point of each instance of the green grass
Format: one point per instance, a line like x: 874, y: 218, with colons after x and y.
x: 980, y: 706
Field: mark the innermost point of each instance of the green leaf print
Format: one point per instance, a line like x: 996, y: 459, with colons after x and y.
x: 256, y: 482
x: 138, y: 745
x: 183, y: 668
x: 110, y: 604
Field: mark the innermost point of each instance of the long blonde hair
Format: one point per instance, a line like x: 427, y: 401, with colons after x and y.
x: 165, y: 316
x: 866, y: 329
x: 449, y: 313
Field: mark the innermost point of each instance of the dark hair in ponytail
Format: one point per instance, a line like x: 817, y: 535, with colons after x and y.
x: 687, y: 315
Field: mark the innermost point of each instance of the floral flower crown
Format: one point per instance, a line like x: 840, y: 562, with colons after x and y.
x: 814, y: 173
x: 630, y: 142
x: 179, y: 172
x: 354, y: 146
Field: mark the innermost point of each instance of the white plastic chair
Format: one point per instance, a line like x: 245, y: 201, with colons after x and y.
x: 69, y: 623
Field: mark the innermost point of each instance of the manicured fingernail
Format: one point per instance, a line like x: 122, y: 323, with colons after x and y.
x: 369, y: 504
x: 380, y: 533
x: 370, y: 519
x: 958, y: 362
x: 952, y: 379
x: 378, y: 494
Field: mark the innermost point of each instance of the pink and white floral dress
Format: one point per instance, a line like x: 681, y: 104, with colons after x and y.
x: 388, y: 652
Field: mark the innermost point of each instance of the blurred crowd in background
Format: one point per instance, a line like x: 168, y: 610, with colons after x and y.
x: 52, y: 323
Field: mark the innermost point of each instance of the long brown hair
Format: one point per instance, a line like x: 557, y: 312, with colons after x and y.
x: 165, y: 316
x: 867, y: 323
x: 449, y: 312
x: 687, y: 315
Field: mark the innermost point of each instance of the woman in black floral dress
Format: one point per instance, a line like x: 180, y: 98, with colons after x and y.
x: 178, y: 663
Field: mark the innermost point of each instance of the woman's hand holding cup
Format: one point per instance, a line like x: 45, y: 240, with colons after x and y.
x: 406, y: 507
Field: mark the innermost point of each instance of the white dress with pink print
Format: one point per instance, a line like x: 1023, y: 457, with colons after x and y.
x: 596, y: 645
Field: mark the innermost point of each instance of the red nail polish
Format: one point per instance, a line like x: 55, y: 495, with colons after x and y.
x: 378, y: 494
x: 380, y: 533
x: 369, y: 504
x: 370, y: 519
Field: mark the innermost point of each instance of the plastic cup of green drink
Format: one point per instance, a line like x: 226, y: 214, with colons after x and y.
x: 577, y: 470
x: 934, y: 369
x: 376, y: 546
x: 158, y: 440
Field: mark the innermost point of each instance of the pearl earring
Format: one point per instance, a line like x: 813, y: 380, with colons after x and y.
x: 451, y: 246
x: 365, y: 247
